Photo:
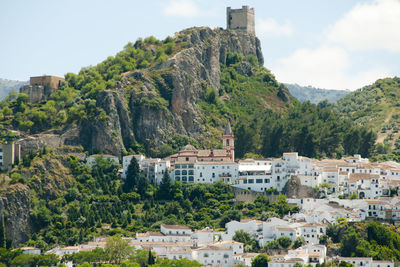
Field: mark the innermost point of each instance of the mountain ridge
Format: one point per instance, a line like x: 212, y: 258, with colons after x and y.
x: 315, y: 95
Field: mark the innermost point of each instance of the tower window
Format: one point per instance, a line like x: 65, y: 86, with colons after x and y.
x: 227, y: 142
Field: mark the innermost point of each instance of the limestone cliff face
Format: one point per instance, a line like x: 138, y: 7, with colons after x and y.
x: 15, y: 206
x: 182, y: 80
x: 109, y: 136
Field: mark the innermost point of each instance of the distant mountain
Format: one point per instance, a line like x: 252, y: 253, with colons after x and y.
x: 315, y: 95
x: 6, y: 86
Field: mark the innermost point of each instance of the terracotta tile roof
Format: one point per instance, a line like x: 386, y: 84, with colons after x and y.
x: 353, y: 177
x: 177, y: 227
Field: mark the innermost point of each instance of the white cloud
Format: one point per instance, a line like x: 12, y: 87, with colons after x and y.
x: 181, y: 8
x: 369, y: 26
x: 271, y: 28
x: 324, y: 67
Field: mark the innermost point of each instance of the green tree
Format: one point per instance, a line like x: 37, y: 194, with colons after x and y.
x: 132, y: 176
x: 349, y: 243
x: 165, y: 187
x: 260, y: 260
x: 117, y: 249
x: 151, y: 260
x: 284, y: 241
x: 298, y: 242
x: 250, y: 244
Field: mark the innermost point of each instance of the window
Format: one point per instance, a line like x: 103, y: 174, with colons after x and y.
x: 191, y: 172
x: 187, y: 158
x: 177, y: 172
x: 251, y: 181
x: 213, y: 175
x: 259, y: 181
x: 184, y: 172
x: 201, y: 175
x: 266, y: 181
x: 191, y: 178
x: 190, y: 166
x: 184, y: 178
x: 177, y: 166
x: 178, y: 178
x: 205, y: 255
x: 245, y: 181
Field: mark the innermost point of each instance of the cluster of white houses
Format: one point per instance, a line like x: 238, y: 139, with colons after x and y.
x: 216, y: 248
x: 346, y: 176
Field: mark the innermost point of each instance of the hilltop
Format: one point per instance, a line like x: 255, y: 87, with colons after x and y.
x: 315, y: 95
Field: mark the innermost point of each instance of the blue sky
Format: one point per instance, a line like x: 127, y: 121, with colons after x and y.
x: 341, y: 44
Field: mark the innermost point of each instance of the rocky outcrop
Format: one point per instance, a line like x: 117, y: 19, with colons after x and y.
x: 68, y: 136
x: 111, y: 135
x: 182, y: 80
x: 294, y: 189
x: 15, y: 206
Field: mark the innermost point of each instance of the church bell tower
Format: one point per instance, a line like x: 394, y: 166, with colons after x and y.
x: 228, y: 141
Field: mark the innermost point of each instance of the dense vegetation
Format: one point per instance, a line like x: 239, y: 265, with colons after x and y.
x: 376, y: 107
x: 312, y: 130
x: 96, y: 198
x: 365, y: 239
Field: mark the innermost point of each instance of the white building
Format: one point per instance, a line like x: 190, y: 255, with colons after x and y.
x: 203, y: 237
x: 205, y: 172
x: 152, y: 168
x: 214, y: 256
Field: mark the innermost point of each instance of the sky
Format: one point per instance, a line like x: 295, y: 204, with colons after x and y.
x: 340, y: 44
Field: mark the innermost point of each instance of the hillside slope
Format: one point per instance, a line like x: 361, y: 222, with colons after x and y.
x: 315, y: 95
x: 377, y: 107
x: 153, y: 94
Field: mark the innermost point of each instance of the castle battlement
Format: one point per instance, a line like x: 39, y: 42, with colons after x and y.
x: 240, y: 19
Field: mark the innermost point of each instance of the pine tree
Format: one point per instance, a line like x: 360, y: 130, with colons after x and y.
x: 151, y: 260
x: 142, y: 184
x: 132, y: 176
x: 165, y: 187
x: 2, y: 233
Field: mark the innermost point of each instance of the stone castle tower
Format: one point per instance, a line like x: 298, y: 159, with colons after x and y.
x: 240, y: 19
x: 41, y: 87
